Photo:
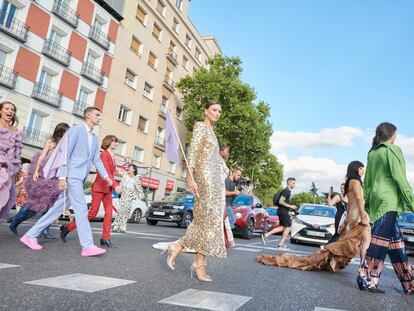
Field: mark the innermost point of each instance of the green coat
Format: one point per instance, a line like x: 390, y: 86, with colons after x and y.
x: 385, y: 184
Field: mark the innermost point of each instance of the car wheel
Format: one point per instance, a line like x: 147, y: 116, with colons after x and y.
x: 248, y: 231
x: 152, y: 222
x: 136, y: 216
x: 187, y: 219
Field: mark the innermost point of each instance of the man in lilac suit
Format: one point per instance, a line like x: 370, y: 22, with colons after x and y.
x: 81, y: 150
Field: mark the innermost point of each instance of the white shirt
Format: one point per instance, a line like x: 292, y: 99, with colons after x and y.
x: 89, y: 131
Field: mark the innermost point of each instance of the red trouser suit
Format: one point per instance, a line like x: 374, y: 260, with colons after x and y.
x: 101, y: 192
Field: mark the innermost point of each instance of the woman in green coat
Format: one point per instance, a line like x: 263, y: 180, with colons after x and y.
x: 387, y: 193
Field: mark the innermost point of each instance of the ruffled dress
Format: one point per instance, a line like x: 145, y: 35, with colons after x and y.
x: 43, y: 193
x: 11, y: 144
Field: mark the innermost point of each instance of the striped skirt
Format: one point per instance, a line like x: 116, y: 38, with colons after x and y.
x: 387, y: 239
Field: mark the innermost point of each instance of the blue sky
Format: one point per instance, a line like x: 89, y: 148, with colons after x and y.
x: 342, y: 65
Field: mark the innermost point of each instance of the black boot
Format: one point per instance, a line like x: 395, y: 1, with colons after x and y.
x: 63, y: 232
x: 107, y: 243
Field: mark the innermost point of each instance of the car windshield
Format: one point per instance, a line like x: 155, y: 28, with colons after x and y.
x: 272, y: 211
x: 242, y: 200
x: 315, y: 210
x: 179, y: 197
x: 407, y: 217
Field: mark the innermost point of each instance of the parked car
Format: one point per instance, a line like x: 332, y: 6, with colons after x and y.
x: 176, y: 207
x: 250, y: 215
x: 273, y: 218
x: 406, y: 224
x: 139, y: 208
x: 314, y: 224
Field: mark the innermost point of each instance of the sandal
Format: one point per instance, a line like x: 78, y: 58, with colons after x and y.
x: 282, y: 246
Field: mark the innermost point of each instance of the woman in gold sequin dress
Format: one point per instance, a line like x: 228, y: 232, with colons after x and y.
x: 206, y: 233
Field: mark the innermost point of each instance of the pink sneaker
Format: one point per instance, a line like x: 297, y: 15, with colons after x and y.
x: 92, y: 251
x: 30, y: 242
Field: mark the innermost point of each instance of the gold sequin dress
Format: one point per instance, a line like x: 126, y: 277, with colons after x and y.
x: 206, y: 233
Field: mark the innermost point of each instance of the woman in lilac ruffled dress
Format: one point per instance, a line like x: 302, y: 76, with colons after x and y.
x: 10, y: 162
x: 41, y: 192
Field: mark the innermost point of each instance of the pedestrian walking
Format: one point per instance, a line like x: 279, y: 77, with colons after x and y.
x: 70, y: 162
x: 11, y: 144
x: 387, y: 193
x: 340, y: 201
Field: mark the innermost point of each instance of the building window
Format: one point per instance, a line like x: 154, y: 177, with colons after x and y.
x: 36, y: 121
x: 176, y: 25
x: 152, y: 60
x: 156, y: 161
x: 164, y: 101
x: 184, y: 172
x: 157, y: 32
x: 124, y: 114
x: 198, y: 54
x: 143, y: 124
x: 138, y: 154
x: 179, y: 113
x: 172, y: 167
x: 160, y: 136
x: 141, y: 16
x: 130, y: 78
x: 179, y: 4
x: 148, y: 91
x: 161, y: 8
x: 188, y: 41
x: 136, y: 46
x: 121, y: 147
x: 185, y: 62
x: 7, y: 15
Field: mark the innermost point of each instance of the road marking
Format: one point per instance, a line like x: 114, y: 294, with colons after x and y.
x: 6, y: 265
x: 81, y: 282
x: 237, y: 248
x: 201, y: 299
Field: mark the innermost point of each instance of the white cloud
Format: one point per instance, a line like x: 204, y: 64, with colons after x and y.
x: 326, y: 138
x: 324, y: 172
x: 407, y: 145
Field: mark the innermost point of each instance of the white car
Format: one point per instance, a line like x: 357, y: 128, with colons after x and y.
x: 139, y: 208
x: 315, y: 224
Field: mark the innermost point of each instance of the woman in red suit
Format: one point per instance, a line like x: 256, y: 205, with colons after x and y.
x: 101, y: 192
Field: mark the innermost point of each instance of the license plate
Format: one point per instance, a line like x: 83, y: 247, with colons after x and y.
x: 159, y: 213
x: 316, y: 233
x: 410, y: 239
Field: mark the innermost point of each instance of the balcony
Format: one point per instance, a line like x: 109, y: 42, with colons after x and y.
x: 34, y: 137
x: 173, y: 57
x: 160, y: 142
x: 163, y: 111
x: 99, y: 37
x: 92, y: 73
x: 78, y: 108
x: 8, y: 77
x: 169, y: 83
x: 47, y: 94
x: 57, y: 52
x: 13, y: 27
x: 63, y: 10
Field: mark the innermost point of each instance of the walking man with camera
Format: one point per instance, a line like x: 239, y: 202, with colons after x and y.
x: 282, y: 202
x: 232, y: 192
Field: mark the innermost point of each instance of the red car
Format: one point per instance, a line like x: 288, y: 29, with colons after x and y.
x: 273, y: 218
x: 250, y: 215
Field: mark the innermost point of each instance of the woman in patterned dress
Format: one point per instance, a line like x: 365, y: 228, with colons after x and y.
x: 205, y: 234
x: 11, y: 144
x: 131, y: 189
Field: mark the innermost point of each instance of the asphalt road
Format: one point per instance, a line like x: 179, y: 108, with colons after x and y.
x: 261, y: 287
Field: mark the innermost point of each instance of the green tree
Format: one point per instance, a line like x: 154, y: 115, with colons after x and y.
x: 314, y: 191
x: 306, y: 197
x: 244, y: 125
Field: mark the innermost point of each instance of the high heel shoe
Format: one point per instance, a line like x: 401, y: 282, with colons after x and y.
x: 363, y: 285
x: 194, y: 268
x: 171, y: 250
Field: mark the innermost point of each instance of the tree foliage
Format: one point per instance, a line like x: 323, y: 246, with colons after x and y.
x: 306, y: 197
x: 244, y: 125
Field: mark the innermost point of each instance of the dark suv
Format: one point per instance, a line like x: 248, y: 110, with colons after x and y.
x: 176, y: 207
x: 406, y: 224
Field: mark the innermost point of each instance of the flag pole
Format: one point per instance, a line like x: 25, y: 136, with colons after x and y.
x: 181, y: 146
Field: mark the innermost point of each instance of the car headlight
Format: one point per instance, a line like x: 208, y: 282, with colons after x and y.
x: 298, y: 221
x: 330, y: 226
x: 238, y: 215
